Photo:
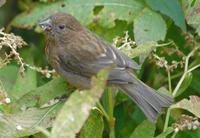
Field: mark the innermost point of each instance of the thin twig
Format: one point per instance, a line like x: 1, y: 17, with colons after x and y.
x: 186, y: 71
x: 103, y: 111
x: 110, y: 113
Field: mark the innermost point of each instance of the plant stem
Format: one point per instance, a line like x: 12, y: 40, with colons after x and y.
x: 193, y: 68
x: 43, y: 131
x: 174, y: 135
x: 165, y: 44
x: 166, y: 120
x: 103, y: 111
x: 168, y: 110
x: 186, y: 71
x: 110, y: 113
x: 169, y: 80
x: 179, y: 84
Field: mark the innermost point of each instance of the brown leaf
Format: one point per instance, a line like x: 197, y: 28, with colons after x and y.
x: 192, y: 105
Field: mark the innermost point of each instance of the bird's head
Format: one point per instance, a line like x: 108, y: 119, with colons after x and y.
x: 60, y: 24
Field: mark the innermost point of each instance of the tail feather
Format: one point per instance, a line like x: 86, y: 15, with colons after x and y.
x: 150, y: 102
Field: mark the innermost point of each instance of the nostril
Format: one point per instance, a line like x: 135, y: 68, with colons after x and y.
x: 46, y: 27
x: 46, y: 24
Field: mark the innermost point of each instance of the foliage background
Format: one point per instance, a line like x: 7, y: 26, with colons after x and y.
x: 162, y: 33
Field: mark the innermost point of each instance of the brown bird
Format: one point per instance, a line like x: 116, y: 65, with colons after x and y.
x: 78, y: 54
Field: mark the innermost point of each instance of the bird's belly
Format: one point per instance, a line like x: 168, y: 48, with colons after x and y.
x: 75, y: 79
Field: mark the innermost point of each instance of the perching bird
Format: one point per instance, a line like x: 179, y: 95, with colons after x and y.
x: 78, y: 54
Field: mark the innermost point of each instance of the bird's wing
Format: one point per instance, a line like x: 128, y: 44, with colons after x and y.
x: 116, y: 55
x: 86, y: 62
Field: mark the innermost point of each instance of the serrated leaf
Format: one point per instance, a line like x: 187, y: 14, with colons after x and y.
x: 149, y: 26
x: 145, y: 130
x: 192, y: 105
x: 170, y: 8
x: 41, y: 95
x: 83, y: 11
x: 93, y: 127
x: 26, y: 123
x: 69, y: 121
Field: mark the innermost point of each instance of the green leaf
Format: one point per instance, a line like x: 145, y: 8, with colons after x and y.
x: 164, y: 91
x: 128, y: 116
x: 8, y: 75
x: 27, y: 82
x: 186, y: 83
x: 149, y: 26
x: 24, y: 84
x: 143, y: 49
x: 195, y: 81
x: 26, y: 123
x: 42, y: 94
x: 83, y: 11
x: 93, y: 127
x: 192, y: 14
x: 76, y: 110
x: 192, y: 105
x: 166, y: 133
x: 170, y: 8
x: 145, y: 130
x: 189, y: 134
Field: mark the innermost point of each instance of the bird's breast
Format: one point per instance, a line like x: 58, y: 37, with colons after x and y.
x: 52, y: 56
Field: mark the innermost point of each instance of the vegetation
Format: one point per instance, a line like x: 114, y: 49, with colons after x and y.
x: 163, y: 36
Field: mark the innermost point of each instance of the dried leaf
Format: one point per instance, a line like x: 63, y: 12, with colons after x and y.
x: 192, y: 105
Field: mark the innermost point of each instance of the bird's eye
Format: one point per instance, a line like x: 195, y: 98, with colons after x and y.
x: 61, y: 27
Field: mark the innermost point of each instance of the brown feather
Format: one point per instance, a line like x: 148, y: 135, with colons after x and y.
x: 77, y: 54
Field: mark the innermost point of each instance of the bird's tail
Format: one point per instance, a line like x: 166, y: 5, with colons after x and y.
x: 150, y: 101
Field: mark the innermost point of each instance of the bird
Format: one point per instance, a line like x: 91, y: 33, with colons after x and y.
x: 77, y: 54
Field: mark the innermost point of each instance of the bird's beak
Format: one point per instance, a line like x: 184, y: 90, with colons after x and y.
x: 46, y: 24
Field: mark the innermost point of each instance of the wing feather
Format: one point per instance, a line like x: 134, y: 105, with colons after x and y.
x: 110, y: 56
